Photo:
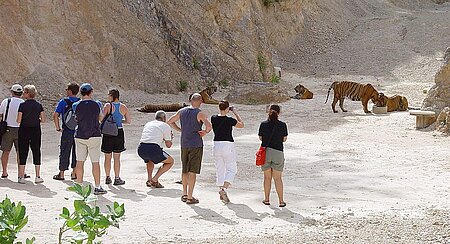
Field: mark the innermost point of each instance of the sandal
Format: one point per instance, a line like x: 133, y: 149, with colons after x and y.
x: 192, y: 201
x: 26, y: 176
x: 58, y: 177
x: 4, y: 176
x: 266, y: 202
x: 73, y: 176
x: 149, y: 183
x: 184, y: 198
x: 282, y: 205
x: 156, y: 184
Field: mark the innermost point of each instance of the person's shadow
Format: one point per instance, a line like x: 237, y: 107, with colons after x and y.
x: 37, y: 190
x: 245, y: 212
x: 210, y: 215
x: 163, y: 192
x: 291, y: 217
x: 124, y: 193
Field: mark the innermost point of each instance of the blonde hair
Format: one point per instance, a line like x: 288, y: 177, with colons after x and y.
x: 31, y: 90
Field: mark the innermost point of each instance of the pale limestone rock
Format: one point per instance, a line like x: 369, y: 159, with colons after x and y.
x: 257, y: 93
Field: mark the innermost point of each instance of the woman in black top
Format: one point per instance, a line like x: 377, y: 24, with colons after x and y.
x: 272, y: 134
x: 30, y: 116
x: 223, y: 149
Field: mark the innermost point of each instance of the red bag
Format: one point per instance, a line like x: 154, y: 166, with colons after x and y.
x: 261, y: 156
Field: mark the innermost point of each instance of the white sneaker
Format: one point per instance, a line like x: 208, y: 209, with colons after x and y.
x: 38, y: 180
x: 21, y: 180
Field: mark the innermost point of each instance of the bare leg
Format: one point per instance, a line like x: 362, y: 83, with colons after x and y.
x: 191, y: 177
x: 267, y: 184
x: 37, y: 169
x: 21, y: 171
x: 184, y: 179
x: 5, y: 157
x: 96, y: 173
x: 79, y: 171
x: 167, y: 164
x: 150, y: 167
x: 107, y: 164
x: 277, y: 177
x: 116, y: 164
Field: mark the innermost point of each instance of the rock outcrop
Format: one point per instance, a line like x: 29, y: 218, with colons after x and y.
x: 257, y: 93
x: 439, y: 95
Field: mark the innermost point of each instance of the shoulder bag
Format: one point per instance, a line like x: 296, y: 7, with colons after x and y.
x: 3, y: 123
x: 108, y: 125
x: 261, y: 153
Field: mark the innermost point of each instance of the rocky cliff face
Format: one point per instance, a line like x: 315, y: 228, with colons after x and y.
x: 439, y: 95
x: 141, y: 44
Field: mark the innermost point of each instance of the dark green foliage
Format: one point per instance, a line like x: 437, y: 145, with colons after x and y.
x: 275, y: 79
x: 12, y: 220
x: 182, y: 86
x: 268, y: 2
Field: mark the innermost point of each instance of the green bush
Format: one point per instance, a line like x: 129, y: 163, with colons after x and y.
x: 86, y: 220
x: 275, y: 79
x: 182, y: 86
x: 262, y: 63
x: 12, y: 220
x: 268, y: 2
x: 195, y: 64
x: 224, y: 83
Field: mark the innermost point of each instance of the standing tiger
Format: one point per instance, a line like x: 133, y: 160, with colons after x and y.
x: 354, y: 91
x: 394, y: 103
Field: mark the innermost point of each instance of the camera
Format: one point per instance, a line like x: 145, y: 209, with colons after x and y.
x: 231, y: 108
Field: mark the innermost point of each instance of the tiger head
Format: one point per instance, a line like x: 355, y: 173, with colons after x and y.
x: 403, y: 103
x: 210, y: 90
x: 300, y: 89
x: 381, y: 100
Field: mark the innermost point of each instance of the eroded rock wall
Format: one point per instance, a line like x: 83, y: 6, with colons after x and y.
x: 147, y: 44
x: 439, y: 95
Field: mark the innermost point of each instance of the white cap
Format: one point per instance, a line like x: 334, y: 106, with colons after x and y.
x: 16, y: 88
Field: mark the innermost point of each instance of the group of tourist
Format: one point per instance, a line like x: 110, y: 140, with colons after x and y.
x: 80, y: 122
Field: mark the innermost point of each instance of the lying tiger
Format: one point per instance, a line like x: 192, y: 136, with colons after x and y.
x: 206, y: 95
x: 394, y: 103
x: 152, y: 108
x: 302, y: 92
x: 354, y: 91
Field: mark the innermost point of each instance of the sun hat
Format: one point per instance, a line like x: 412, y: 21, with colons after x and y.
x: 16, y: 88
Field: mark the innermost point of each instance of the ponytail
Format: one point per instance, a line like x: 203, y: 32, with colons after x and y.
x: 273, y: 112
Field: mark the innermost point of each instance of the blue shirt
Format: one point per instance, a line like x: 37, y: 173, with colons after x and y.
x: 87, y: 112
x: 117, y: 115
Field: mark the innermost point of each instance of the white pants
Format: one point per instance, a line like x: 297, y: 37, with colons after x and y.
x: 225, y: 160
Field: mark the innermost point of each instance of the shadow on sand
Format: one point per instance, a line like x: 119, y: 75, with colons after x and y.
x: 36, y: 190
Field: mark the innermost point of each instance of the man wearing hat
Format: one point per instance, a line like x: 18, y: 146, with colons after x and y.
x: 88, y: 137
x: 8, y: 111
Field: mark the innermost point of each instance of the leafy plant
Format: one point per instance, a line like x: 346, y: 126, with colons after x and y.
x: 182, y: 85
x: 224, y: 83
x: 12, y: 220
x: 86, y: 220
x: 195, y: 64
x: 275, y: 79
x: 268, y: 2
x: 262, y: 63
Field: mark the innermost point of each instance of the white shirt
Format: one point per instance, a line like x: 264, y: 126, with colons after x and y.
x: 13, y: 110
x: 155, y: 132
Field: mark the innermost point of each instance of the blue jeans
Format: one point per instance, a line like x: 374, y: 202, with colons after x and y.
x: 67, y: 145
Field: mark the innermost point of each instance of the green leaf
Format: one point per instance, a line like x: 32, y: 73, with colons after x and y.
x: 78, y: 205
x: 103, y: 222
x: 72, y: 222
x: 21, y: 224
x: 30, y: 241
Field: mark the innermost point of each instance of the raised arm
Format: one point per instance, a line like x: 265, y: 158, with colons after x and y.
x: 172, y: 121
x: 240, y: 123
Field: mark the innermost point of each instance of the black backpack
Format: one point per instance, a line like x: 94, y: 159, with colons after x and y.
x: 68, y: 118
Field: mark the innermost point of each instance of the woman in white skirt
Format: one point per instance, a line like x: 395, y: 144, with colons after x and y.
x: 223, y: 149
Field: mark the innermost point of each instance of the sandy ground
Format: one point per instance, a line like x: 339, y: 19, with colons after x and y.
x: 349, y: 177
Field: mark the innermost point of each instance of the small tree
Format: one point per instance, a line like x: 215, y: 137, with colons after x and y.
x: 12, y: 220
x: 86, y: 219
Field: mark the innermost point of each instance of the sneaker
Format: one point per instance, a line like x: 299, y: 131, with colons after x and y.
x: 118, y: 181
x: 224, y: 196
x: 108, y: 180
x: 38, y: 180
x: 99, y: 191
x: 21, y: 180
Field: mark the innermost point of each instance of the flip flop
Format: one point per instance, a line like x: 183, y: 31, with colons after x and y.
x: 26, y: 176
x: 4, y: 176
x: 184, y: 198
x: 192, y: 201
x: 58, y: 177
x: 266, y: 202
x: 148, y: 183
x: 282, y: 205
x: 73, y: 177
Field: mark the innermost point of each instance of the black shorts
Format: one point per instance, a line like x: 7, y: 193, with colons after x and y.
x: 151, y: 152
x: 114, y: 144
